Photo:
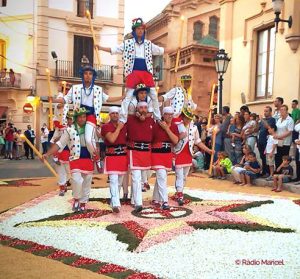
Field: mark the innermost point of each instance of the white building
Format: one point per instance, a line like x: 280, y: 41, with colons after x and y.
x: 41, y: 34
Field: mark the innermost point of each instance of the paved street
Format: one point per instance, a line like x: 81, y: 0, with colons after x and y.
x: 23, y: 169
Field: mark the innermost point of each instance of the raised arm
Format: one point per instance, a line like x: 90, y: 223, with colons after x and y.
x: 112, y: 136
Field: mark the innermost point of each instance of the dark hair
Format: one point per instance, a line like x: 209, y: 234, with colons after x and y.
x: 274, y: 127
x: 252, y: 154
x: 280, y: 99
x: 286, y: 157
x: 270, y: 109
x: 285, y: 106
x: 226, y: 109
x: 295, y: 101
x: 245, y: 108
x: 197, y: 117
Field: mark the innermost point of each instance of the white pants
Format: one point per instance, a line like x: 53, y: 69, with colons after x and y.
x: 125, y: 183
x: 81, y: 186
x: 235, y: 171
x: 181, y: 175
x: 160, y: 192
x: 129, y: 96
x: 63, y: 171
x: 90, y: 139
x: 146, y: 174
x: 136, y: 188
x: 115, y: 184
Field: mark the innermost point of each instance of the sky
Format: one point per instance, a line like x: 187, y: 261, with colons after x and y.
x: 146, y: 9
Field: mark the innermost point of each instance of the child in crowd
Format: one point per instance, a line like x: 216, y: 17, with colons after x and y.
x: 231, y: 131
x: 284, y: 174
x: 238, y: 168
x: 224, y: 166
x: 216, y: 166
x: 198, y: 159
x: 271, y: 150
x: 251, y: 170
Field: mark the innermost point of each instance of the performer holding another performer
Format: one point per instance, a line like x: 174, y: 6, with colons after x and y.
x: 91, y: 97
x: 184, y: 152
x: 81, y: 164
x: 116, y: 162
x: 165, y: 135
x: 139, y: 134
x: 138, y: 65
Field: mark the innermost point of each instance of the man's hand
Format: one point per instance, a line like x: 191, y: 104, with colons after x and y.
x: 120, y: 125
x: 138, y: 114
x: 142, y: 117
x: 97, y: 46
x: 163, y: 124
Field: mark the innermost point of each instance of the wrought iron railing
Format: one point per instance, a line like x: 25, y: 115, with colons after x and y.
x: 68, y: 69
x: 10, y: 80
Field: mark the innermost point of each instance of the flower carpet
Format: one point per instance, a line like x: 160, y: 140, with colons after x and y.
x: 213, y: 235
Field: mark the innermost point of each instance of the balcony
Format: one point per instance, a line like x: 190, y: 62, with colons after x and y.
x: 68, y: 70
x: 10, y: 81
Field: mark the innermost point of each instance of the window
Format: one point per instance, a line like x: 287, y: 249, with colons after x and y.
x: 3, y: 3
x: 265, y: 63
x: 83, y: 6
x: 213, y: 27
x: 2, y: 54
x: 158, y: 67
x: 83, y: 50
x: 198, y: 30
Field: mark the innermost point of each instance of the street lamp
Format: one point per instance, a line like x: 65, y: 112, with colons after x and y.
x: 277, y: 7
x: 54, y: 56
x: 30, y: 97
x: 221, y: 61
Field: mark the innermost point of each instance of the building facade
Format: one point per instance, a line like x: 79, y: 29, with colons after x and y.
x: 264, y: 64
x: 200, y: 41
x: 55, y: 35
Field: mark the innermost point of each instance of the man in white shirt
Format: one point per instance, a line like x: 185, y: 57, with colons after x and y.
x: 138, y: 65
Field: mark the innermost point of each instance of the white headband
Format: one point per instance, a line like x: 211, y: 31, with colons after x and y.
x: 169, y: 110
x: 142, y: 104
x: 114, y: 109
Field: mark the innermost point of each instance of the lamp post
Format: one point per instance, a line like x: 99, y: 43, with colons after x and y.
x: 221, y: 61
x: 277, y: 7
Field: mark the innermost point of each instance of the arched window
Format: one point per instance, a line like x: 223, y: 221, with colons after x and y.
x: 198, y: 31
x: 213, y: 27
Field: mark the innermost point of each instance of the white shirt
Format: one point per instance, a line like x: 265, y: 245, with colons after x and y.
x: 297, y: 129
x: 271, y: 141
x: 282, y: 127
x: 87, y: 100
x: 139, y: 50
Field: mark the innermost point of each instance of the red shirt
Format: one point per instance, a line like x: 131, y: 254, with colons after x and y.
x: 9, y: 134
x: 139, y: 131
x: 160, y: 135
x: 110, y: 128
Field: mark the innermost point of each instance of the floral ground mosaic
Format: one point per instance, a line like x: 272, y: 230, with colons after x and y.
x: 214, y: 235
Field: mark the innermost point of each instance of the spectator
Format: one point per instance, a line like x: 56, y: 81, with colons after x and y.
x: 277, y: 103
x: 251, y: 170
x: 2, y: 142
x: 198, y: 159
x: 285, y: 127
x: 197, y: 123
x: 12, y: 77
x: 84, y: 61
x: 297, y: 142
x: 237, y: 153
x: 244, y: 109
x: 238, y: 168
x: 219, y: 136
x: 19, y: 143
x: 271, y: 150
x: 9, y: 141
x: 29, y: 134
x: 284, y: 174
x: 44, y: 140
x: 224, y: 167
x: 265, y: 123
x: 216, y: 166
x: 295, y: 111
x: 224, y: 129
x: 203, y: 133
x: 248, y: 131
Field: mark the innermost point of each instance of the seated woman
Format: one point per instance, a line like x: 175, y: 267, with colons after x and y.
x: 238, y: 168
